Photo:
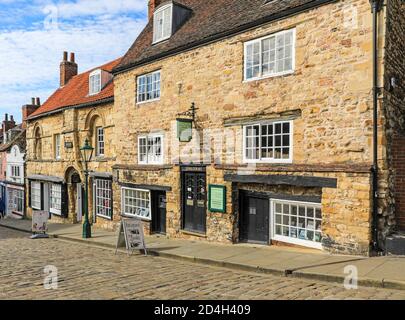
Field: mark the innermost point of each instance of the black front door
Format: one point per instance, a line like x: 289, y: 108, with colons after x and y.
x: 159, y: 212
x: 194, y: 201
x: 254, y: 218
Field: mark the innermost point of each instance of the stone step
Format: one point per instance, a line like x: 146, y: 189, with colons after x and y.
x: 395, y: 244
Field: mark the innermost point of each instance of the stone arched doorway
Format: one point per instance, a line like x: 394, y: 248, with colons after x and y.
x: 75, y: 194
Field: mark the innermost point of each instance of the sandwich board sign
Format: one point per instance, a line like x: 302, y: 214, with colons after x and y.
x: 131, y: 235
x: 39, y: 224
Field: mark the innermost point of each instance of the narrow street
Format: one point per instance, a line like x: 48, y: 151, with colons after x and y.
x: 86, y: 272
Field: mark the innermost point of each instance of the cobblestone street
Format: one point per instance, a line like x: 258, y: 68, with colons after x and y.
x: 86, y: 272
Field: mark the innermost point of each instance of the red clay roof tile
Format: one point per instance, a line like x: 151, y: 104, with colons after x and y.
x: 76, y: 92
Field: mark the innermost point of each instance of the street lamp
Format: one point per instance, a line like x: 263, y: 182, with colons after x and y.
x: 87, y: 153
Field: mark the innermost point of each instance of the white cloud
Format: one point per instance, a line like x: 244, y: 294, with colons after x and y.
x: 29, y: 59
x: 98, y: 7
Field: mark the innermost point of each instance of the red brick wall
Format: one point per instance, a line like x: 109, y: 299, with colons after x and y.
x: 398, y: 157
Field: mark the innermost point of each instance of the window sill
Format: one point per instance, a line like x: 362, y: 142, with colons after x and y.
x: 275, y: 75
x: 299, y: 242
x: 148, y: 101
x: 287, y: 161
x: 104, y: 217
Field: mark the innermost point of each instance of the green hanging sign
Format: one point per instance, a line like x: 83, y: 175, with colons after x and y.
x: 184, y: 130
x: 217, y: 198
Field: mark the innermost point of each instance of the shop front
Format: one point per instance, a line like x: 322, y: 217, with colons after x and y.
x: 48, y: 193
x: 280, y: 209
x: 146, y: 202
x: 15, y: 200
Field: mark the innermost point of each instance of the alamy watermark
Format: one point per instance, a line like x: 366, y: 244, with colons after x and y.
x: 51, y: 277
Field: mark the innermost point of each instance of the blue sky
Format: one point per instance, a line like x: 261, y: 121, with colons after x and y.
x: 34, y: 34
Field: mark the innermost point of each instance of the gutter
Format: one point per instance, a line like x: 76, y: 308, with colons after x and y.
x: 77, y: 106
x: 376, y: 6
x: 219, y: 36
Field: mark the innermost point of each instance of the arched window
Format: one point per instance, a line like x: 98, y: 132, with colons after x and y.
x: 38, y: 144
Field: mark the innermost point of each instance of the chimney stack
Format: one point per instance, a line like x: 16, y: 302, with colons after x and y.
x: 29, y: 109
x: 7, y: 125
x: 68, y: 69
x: 153, y: 4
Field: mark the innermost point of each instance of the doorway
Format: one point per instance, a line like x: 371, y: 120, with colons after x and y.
x: 159, y: 203
x: 254, y: 218
x: 194, y: 196
x: 79, y: 202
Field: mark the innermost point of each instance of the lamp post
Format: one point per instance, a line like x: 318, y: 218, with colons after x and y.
x: 87, y: 153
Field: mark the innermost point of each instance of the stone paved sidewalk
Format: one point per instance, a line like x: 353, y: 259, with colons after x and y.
x: 384, y: 272
x: 94, y: 273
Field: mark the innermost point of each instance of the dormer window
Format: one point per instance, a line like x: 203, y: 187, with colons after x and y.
x: 95, y: 82
x: 162, y: 23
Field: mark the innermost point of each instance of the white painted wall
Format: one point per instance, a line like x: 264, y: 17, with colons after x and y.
x: 15, y: 158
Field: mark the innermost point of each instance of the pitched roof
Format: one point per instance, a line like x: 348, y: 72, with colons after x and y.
x: 211, y: 20
x: 18, y: 139
x: 76, y: 92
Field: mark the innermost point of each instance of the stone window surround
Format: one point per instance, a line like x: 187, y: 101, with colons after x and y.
x: 295, y: 240
x: 124, y: 205
x: 107, y: 187
x: 271, y: 75
x: 269, y: 160
x: 145, y: 75
x: 55, y: 197
x: 36, y: 195
x: 147, y: 137
x: 57, y: 146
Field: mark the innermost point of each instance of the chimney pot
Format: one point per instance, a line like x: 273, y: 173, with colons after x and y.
x: 68, y: 69
x: 37, y: 101
x: 65, y: 55
x: 6, y: 116
x: 72, y: 57
x: 152, y: 6
x: 33, y: 101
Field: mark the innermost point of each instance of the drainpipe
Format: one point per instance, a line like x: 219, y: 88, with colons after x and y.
x: 376, y: 7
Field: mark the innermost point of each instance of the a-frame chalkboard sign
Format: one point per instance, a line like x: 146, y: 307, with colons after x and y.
x: 131, y: 236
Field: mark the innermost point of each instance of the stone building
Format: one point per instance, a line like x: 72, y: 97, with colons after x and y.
x: 252, y: 121
x: 80, y: 109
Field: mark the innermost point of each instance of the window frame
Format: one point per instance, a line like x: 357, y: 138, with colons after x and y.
x: 156, y: 40
x: 95, y: 204
x: 268, y: 160
x: 260, y: 41
x: 32, y: 195
x: 98, y: 142
x: 57, y: 146
x: 125, y: 214
x: 147, y: 137
x: 145, y: 75
x: 95, y: 73
x: 52, y: 210
x: 292, y: 240
x: 13, y: 171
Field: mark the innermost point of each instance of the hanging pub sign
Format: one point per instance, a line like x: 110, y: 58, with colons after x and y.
x: 184, y: 130
x: 217, y: 198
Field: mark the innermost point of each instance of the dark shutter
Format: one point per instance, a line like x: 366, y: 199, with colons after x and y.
x: 29, y: 194
x: 65, y: 201
x: 42, y: 197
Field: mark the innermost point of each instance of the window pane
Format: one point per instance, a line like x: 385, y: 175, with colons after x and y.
x: 137, y: 203
x: 303, y: 227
